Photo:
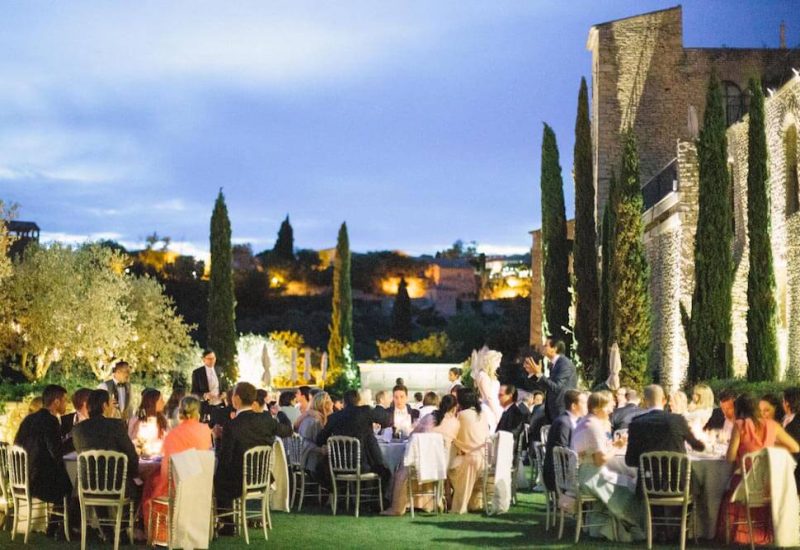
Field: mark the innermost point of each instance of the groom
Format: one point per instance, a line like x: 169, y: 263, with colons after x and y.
x: 563, y: 377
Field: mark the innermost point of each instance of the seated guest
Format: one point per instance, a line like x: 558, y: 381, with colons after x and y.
x: 401, y: 415
x: 104, y: 432
x: 260, y: 404
x: 657, y: 430
x: 443, y: 421
x: 40, y: 435
x: 189, y: 434
x: 622, y: 416
x: 383, y: 399
x: 303, y: 398
x: 309, y: 426
x: 722, y: 418
x: 750, y: 433
x: 172, y: 409
x: 148, y: 428
x: 68, y: 421
x: 429, y: 404
x: 356, y: 421
x: 614, y: 487
x: 287, y: 406
x: 365, y: 397
x: 771, y: 407
x: 512, y: 419
x: 454, y: 377
x: 791, y: 423
x: 467, y: 466
x: 35, y: 405
x: 701, y: 406
x: 621, y: 397
x: 338, y: 402
x: 560, y: 433
x: 455, y: 389
x: 248, y: 429
x: 678, y: 403
x: 418, y: 398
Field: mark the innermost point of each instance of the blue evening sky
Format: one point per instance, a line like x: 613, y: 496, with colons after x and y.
x: 418, y: 123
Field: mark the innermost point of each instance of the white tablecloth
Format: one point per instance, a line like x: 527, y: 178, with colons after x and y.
x: 710, y: 476
x: 393, y: 454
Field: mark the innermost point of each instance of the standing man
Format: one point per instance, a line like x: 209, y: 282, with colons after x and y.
x: 119, y: 388
x: 205, y: 383
x: 563, y: 377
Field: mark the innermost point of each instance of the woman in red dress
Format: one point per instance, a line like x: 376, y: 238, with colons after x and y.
x: 750, y: 433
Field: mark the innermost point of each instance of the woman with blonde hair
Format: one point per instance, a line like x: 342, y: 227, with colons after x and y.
x: 308, y: 426
x: 484, y: 373
x: 678, y: 403
x: 467, y: 466
x: 700, y: 408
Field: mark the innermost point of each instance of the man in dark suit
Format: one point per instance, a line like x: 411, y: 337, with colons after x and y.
x: 80, y: 402
x: 247, y: 430
x: 791, y: 422
x: 563, y: 377
x: 103, y: 432
x: 40, y: 435
x: 622, y: 416
x: 400, y: 409
x: 560, y: 434
x: 723, y: 417
x: 513, y: 419
x: 119, y: 387
x: 657, y: 430
x: 206, y: 383
x: 356, y: 420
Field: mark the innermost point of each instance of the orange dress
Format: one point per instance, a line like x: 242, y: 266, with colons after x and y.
x: 751, y: 439
x: 189, y: 434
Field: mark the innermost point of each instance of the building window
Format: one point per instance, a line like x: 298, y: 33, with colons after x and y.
x: 792, y: 187
x: 735, y: 102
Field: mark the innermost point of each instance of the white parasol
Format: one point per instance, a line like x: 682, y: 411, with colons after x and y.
x: 294, y: 366
x: 266, y: 378
x: 324, y: 367
x: 614, y: 367
x: 307, y: 364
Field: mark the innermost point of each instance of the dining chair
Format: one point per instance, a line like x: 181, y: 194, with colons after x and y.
x: 6, y: 502
x: 438, y: 446
x: 19, y: 488
x: 102, y: 483
x: 344, y: 462
x: 256, y: 473
x: 544, y: 431
x: 567, y: 488
x: 666, y: 482
x: 294, y: 459
x: 489, y: 470
x: 550, y: 497
x: 756, y: 485
x: 154, y: 518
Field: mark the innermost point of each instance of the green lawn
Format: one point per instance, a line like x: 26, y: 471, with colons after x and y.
x: 522, y: 527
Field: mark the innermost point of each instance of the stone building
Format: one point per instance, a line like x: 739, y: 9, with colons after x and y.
x: 643, y: 77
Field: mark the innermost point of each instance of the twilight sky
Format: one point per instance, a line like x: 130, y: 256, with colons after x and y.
x: 418, y: 123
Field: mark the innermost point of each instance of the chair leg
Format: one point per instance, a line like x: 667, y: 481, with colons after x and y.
x: 579, y: 522
x: 269, y: 515
x: 684, y: 513
x: 131, y: 521
x: 16, y: 517
x: 66, y: 521
x: 358, y: 495
x: 410, y: 481
x: 334, y: 496
x: 264, y: 513
x: 302, y: 490
x: 29, y: 507
x: 750, y: 527
x: 561, y: 526
x: 380, y: 495
x: 547, y: 511
x: 649, y: 520
x: 83, y: 528
x: 117, y: 527
x: 243, y: 521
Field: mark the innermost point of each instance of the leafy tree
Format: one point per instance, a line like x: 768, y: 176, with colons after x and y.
x: 555, y: 246
x: 710, y: 324
x: 401, y: 314
x: 342, y: 364
x: 762, y: 344
x: 585, y: 250
x: 284, y: 246
x: 607, y: 234
x: 630, y: 299
x: 221, y: 323
x: 459, y: 250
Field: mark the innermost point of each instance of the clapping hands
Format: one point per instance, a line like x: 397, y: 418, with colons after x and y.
x: 532, y: 367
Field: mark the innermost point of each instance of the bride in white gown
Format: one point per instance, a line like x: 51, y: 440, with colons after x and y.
x: 484, y: 373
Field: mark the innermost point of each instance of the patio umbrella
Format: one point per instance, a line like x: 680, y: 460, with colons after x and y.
x: 307, y: 364
x: 614, y: 367
x: 266, y: 378
x: 324, y: 367
x: 294, y: 366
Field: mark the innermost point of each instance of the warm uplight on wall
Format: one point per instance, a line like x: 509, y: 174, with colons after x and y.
x: 416, y: 286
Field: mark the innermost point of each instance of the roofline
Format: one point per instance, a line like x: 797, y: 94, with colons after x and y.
x: 676, y: 7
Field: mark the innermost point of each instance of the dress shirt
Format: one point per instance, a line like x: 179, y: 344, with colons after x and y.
x: 402, y: 420
x: 573, y: 418
x: 121, y: 397
x: 213, y: 382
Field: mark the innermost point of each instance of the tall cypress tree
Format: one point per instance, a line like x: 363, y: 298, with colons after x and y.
x: 630, y: 299
x: 555, y: 247
x: 221, y: 320
x: 401, y: 313
x: 607, y: 234
x: 710, y: 325
x: 762, y: 344
x: 587, y: 307
x: 340, y: 345
x: 284, y: 246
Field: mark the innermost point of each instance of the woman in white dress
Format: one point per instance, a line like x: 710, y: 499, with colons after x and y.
x: 484, y: 372
x: 700, y: 408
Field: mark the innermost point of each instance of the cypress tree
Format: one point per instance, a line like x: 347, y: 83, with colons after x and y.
x: 221, y: 320
x: 284, y: 246
x: 555, y: 247
x: 630, y: 299
x: 401, y: 313
x: 607, y: 234
x: 587, y: 308
x: 762, y: 346
x: 710, y: 325
x: 340, y: 345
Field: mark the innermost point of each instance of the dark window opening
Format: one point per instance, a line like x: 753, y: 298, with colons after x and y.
x: 792, y: 187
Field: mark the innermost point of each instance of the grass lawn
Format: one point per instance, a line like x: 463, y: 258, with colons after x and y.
x: 522, y: 527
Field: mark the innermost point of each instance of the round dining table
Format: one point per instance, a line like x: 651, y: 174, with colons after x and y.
x: 393, y: 453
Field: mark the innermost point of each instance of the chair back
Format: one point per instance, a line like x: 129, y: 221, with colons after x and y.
x: 544, y: 431
x: 344, y: 454
x: 565, y: 462
x: 490, y: 451
x: 756, y: 478
x: 257, y: 466
x: 4, y: 487
x: 102, y: 474
x: 294, y: 450
x: 18, y: 472
x: 665, y: 474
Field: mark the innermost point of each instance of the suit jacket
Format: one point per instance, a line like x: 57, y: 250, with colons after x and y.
x: 390, y: 415
x: 40, y: 435
x: 563, y: 377
x: 118, y: 389
x: 249, y: 429
x: 621, y: 417
x: 658, y: 430
x: 357, y: 422
x: 67, y: 424
x: 200, y: 381
x: 560, y: 435
x: 512, y: 420
x: 793, y: 429
x: 717, y: 420
x: 106, y: 434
